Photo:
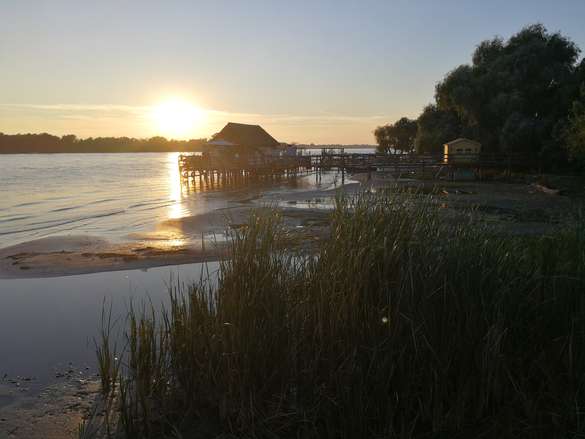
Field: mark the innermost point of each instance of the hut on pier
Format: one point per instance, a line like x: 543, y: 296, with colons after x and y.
x: 243, y: 140
x: 242, y: 151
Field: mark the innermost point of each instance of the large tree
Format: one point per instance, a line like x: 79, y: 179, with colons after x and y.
x: 516, y: 92
x: 398, y: 136
x: 435, y: 128
x: 575, y: 130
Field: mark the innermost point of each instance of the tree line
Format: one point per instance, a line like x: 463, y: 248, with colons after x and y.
x: 47, y: 143
x: 524, y: 95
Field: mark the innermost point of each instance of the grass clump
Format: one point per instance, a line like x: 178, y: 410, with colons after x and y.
x: 400, y: 325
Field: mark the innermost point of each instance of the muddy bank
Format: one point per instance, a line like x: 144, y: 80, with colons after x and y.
x: 517, y: 208
x: 36, y: 259
x: 188, y: 239
x: 191, y: 239
x: 56, y: 412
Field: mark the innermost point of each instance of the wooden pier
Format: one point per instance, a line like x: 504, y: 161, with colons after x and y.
x: 212, y: 170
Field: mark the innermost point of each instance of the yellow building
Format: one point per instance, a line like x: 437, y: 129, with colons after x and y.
x: 462, y: 151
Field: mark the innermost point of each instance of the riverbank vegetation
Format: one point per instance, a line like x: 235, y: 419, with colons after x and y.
x: 400, y: 325
x: 47, y: 143
x: 520, y: 95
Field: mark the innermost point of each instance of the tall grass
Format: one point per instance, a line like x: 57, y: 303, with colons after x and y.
x: 400, y: 325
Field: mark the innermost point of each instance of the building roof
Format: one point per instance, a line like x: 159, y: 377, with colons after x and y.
x: 240, y: 134
x: 220, y: 142
x: 461, y: 139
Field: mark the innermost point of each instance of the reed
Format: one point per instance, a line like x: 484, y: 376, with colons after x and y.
x: 107, y: 353
x: 399, y: 325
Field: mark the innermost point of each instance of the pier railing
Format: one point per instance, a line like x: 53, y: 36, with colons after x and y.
x: 268, y: 165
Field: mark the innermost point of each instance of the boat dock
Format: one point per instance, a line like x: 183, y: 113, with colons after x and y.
x: 210, y: 169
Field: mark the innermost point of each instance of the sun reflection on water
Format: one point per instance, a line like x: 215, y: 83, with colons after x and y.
x: 176, y: 209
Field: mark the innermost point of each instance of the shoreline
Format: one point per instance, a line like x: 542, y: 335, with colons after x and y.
x: 517, y: 208
x: 56, y: 411
x: 192, y: 239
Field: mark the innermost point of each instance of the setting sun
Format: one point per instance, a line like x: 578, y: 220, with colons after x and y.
x: 177, y: 118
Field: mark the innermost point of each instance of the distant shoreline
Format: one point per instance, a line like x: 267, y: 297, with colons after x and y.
x: 175, y: 151
x: 96, y: 152
x: 345, y: 147
x: 45, y: 143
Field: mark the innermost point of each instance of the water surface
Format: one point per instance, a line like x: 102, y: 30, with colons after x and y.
x: 49, y: 325
x: 109, y: 195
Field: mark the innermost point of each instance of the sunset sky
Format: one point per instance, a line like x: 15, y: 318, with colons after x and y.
x: 308, y: 71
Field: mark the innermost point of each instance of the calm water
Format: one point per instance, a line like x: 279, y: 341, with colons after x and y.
x: 49, y: 325
x: 107, y: 195
x: 98, y: 194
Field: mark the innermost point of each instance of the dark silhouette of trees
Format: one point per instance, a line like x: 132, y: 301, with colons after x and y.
x: 575, y: 130
x: 519, y: 95
x: 396, y: 137
x: 46, y: 143
x: 515, y: 93
x: 435, y: 128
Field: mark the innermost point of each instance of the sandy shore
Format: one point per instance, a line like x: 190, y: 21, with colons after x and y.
x: 54, y: 413
x: 86, y: 254
x: 517, y: 208
x: 191, y: 239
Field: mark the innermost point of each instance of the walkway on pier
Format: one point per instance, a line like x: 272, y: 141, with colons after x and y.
x: 399, y: 165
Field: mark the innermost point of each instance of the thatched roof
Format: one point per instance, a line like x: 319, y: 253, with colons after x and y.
x: 240, y: 134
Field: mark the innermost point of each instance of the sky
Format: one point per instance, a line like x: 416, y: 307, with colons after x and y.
x: 307, y: 71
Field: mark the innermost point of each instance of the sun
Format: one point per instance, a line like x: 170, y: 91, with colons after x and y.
x: 176, y: 118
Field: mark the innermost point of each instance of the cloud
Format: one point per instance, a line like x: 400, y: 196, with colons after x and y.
x: 216, y: 114
x: 75, y: 109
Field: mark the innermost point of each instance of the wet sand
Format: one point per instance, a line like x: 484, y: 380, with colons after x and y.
x: 82, y: 255
x: 55, y: 413
x: 517, y: 208
x: 190, y: 239
x: 69, y: 255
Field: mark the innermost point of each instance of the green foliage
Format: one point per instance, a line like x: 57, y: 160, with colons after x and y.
x: 515, y: 96
x: 435, y: 128
x: 402, y: 325
x: 575, y: 132
x: 107, y: 354
x: 515, y: 92
x: 396, y: 137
